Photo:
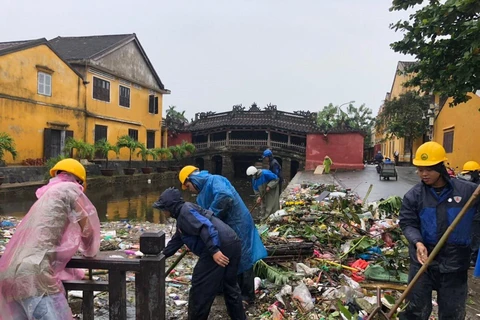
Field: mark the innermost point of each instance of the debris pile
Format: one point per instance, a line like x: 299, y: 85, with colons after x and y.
x: 327, y: 253
x: 327, y: 250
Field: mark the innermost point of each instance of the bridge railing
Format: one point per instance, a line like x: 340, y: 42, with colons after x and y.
x: 149, y: 280
x: 249, y: 143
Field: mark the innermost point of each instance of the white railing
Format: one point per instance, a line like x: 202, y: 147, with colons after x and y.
x: 249, y: 143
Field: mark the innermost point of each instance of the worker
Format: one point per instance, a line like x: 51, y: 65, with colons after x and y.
x: 61, y: 222
x: 327, y: 162
x: 216, y: 193
x: 470, y: 172
x: 275, y: 167
x: 218, y: 248
x: 427, y: 211
x: 265, y: 184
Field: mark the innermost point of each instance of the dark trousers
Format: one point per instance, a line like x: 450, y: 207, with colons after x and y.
x: 452, y: 289
x: 475, y: 240
x: 280, y: 183
x: 207, y: 279
x: 246, y: 281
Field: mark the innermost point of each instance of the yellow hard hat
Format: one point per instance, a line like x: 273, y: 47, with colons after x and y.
x: 185, y: 173
x: 429, y: 154
x: 470, y: 166
x: 71, y: 166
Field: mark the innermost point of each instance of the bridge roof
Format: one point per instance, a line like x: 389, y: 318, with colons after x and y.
x: 293, y: 122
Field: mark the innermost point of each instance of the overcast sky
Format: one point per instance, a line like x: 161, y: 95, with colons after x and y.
x: 212, y: 54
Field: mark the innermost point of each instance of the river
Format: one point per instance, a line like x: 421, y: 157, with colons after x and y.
x: 134, y: 202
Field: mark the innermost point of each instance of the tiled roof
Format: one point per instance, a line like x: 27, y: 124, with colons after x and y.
x: 255, y: 119
x: 83, y: 48
x: 11, y: 46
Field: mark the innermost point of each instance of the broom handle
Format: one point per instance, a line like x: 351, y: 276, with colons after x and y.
x: 435, y: 251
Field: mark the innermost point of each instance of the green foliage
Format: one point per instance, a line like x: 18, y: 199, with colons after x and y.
x: 444, y: 38
x: 391, y: 205
x: 189, y: 147
x: 333, y: 117
x: 178, y: 152
x: 275, y: 275
x: 104, y: 147
x: 52, y: 162
x: 163, y: 153
x: 7, y: 145
x: 131, y: 144
x: 175, y: 120
x: 84, y: 150
x: 145, y: 153
x: 405, y: 117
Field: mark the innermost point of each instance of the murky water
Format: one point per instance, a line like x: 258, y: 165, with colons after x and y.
x: 129, y: 202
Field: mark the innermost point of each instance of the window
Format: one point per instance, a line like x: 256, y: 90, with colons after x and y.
x: 124, y: 97
x: 152, y: 104
x: 101, y: 89
x: 150, y: 139
x: 448, y: 141
x: 44, y: 84
x: 133, y: 134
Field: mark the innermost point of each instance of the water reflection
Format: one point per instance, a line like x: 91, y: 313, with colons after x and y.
x: 131, y: 202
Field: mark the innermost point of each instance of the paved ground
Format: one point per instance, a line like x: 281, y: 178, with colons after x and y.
x: 360, y: 181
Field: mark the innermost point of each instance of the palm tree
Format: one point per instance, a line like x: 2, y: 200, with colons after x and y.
x: 189, y: 147
x: 104, y: 147
x: 84, y: 150
x: 163, y: 153
x: 128, y: 142
x: 7, y: 145
x: 145, y: 153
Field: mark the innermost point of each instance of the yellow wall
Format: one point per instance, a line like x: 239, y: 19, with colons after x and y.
x: 24, y: 114
x: 464, y: 119
x: 136, y: 117
x: 395, y: 144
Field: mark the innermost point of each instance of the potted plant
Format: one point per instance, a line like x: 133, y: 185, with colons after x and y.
x: 6, y: 145
x: 163, y: 154
x: 103, y: 147
x: 189, y: 148
x: 85, y: 151
x: 178, y: 153
x: 145, y: 153
x: 128, y: 142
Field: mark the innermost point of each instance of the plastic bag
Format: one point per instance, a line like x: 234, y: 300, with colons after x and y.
x: 302, y: 294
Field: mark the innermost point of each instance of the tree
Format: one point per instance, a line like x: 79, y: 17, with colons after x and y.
x: 175, y: 120
x: 131, y: 144
x: 103, y: 147
x: 404, y: 117
x: 7, y: 144
x: 333, y: 117
x: 444, y: 38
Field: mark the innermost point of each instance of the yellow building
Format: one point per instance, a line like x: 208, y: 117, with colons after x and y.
x: 88, y: 88
x: 389, y: 146
x: 458, y: 130
x: 42, y: 99
x: 123, y: 91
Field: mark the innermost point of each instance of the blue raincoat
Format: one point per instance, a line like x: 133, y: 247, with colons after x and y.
x: 218, y: 195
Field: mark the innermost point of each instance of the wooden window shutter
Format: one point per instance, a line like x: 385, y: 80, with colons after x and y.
x: 156, y: 105
x: 151, y: 103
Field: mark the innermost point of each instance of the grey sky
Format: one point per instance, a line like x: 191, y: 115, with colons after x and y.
x: 212, y: 54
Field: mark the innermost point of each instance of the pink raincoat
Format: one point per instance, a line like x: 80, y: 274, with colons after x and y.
x: 33, y: 264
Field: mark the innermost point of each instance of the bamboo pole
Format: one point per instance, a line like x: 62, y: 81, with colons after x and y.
x: 435, y: 251
x: 180, y: 257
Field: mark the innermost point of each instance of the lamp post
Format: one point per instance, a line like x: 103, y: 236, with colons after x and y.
x: 340, y: 106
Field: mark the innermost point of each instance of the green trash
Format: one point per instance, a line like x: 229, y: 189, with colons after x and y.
x: 377, y: 272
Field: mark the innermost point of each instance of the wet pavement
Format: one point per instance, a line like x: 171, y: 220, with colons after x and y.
x: 359, y: 181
